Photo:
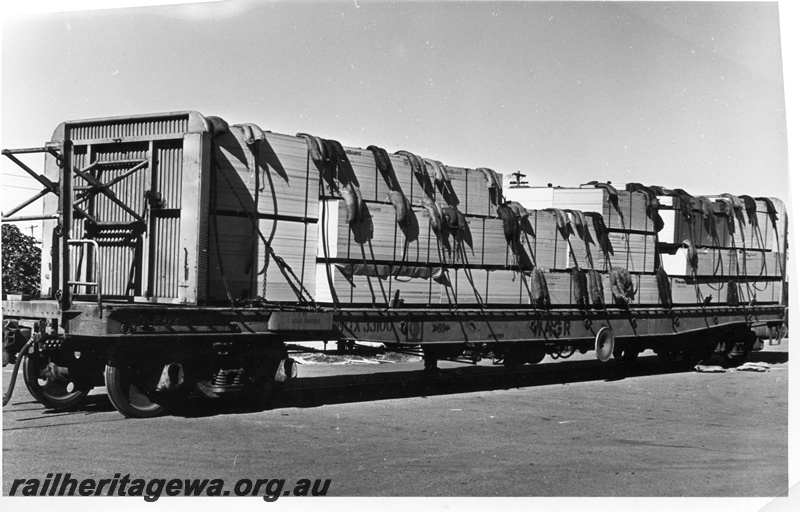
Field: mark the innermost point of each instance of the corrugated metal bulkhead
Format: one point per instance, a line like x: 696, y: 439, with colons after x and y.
x: 151, y: 226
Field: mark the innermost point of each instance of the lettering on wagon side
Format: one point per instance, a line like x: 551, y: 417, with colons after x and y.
x: 551, y: 328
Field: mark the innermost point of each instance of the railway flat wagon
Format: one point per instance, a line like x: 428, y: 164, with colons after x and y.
x: 185, y: 255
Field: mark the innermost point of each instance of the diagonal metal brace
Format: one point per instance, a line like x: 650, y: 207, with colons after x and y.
x: 49, y: 186
x: 105, y: 191
x: 103, y: 186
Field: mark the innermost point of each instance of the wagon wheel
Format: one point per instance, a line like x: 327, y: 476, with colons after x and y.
x: 732, y: 355
x: 515, y: 356
x: 536, y: 354
x: 667, y: 352
x: 695, y: 351
x: 127, y: 390
x: 52, y: 385
x: 625, y: 353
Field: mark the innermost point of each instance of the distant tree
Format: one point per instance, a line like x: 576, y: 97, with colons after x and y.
x: 22, y: 261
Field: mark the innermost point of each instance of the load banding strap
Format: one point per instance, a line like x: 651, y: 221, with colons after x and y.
x: 398, y: 199
x: 442, y: 181
x: 540, y: 295
x: 652, y: 203
x: 664, y: 287
x: 253, y: 136
x: 613, y: 197
x: 622, y: 290
x: 601, y: 232
x: 334, y: 165
x: 580, y: 287
x: 420, y: 172
x: 444, y: 220
x: 315, y: 149
x: 564, y: 226
x: 733, y: 208
x: 582, y: 230
x: 514, y: 216
x: 772, y: 212
x: 685, y: 204
x: 596, y: 293
x: 494, y: 184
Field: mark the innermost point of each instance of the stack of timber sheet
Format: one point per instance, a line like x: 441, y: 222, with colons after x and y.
x: 486, y: 287
x: 688, y: 292
x: 362, y: 169
x: 468, y: 190
x: 704, y: 232
x: 264, y: 191
x: 539, y: 244
x: 635, y: 252
x: 743, y: 255
x: 296, y: 244
x: 241, y: 265
x: 496, y: 251
x: 367, y: 177
x: 760, y: 234
x: 632, y: 213
x: 630, y: 230
x: 559, y: 285
x: 542, y: 240
x: 377, y: 237
x: 715, y: 231
x: 756, y: 264
x: 413, y: 290
x: 464, y: 247
x: 455, y: 193
x: 272, y: 177
x: 479, y: 199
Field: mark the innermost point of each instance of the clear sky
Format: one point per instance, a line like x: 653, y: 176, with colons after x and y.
x: 679, y: 94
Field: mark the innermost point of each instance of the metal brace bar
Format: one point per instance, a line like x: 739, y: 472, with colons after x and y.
x: 108, y: 193
x: 99, y: 188
x: 25, y: 218
x: 25, y: 203
x: 46, y: 183
x: 85, y: 215
x: 43, y: 149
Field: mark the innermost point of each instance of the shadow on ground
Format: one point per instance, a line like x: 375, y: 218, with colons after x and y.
x: 338, y: 389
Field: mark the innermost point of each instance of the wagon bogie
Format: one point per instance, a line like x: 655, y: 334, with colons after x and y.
x: 146, y: 377
x: 56, y: 385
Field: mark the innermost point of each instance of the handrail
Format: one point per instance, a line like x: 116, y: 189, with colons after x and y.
x: 96, y: 284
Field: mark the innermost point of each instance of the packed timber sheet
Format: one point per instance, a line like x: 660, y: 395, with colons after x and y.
x: 716, y: 228
x: 376, y: 237
x: 274, y: 259
x: 264, y: 208
x: 272, y: 176
x: 627, y: 212
x: 464, y: 188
